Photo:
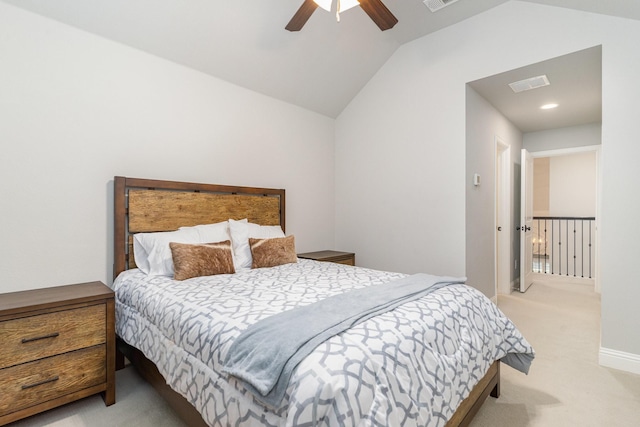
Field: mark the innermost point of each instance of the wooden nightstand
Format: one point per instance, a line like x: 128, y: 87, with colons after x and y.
x: 348, y: 258
x: 58, y: 345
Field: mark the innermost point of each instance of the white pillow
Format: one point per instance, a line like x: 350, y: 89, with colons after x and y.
x: 240, y: 232
x: 265, y: 231
x: 152, y: 251
x: 212, y: 233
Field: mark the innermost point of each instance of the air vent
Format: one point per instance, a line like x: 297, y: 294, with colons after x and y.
x: 528, y: 84
x: 435, y: 5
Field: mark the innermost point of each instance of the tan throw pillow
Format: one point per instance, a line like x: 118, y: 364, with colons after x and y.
x: 204, y: 259
x: 272, y: 252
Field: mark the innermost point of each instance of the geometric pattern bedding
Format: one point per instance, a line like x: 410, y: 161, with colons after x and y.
x: 411, y: 366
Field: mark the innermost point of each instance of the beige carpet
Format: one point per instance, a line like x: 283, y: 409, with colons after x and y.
x: 137, y: 405
x: 565, y: 387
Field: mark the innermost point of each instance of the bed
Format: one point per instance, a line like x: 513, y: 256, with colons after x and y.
x: 392, y: 369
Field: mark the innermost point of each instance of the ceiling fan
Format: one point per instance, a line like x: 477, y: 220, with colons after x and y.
x: 377, y: 11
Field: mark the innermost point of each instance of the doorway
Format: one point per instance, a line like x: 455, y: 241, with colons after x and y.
x: 567, y: 192
x: 493, y: 108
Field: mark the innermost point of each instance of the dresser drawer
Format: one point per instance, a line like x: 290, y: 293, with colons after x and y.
x: 36, y: 382
x: 35, y: 337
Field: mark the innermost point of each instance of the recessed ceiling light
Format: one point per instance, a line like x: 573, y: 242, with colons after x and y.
x: 548, y: 106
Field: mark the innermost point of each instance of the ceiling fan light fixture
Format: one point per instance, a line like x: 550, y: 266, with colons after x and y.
x: 341, y: 7
x: 325, y: 4
x: 376, y: 10
x: 347, y: 4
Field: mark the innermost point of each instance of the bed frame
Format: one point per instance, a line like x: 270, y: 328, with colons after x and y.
x: 146, y: 205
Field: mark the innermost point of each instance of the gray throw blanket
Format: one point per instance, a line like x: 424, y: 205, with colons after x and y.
x: 265, y: 354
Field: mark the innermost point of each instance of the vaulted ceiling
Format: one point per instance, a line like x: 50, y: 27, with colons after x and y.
x: 320, y: 68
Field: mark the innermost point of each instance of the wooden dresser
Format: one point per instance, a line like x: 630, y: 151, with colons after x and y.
x: 57, y: 345
x: 348, y: 258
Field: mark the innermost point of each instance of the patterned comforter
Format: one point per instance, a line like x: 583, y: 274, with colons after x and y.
x: 410, y: 366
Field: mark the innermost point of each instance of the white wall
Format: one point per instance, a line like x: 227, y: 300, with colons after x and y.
x: 400, y: 147
x: 484, y: 123
x: 572, y: 185
x: 76, y: 110
x: 573, y: 176
x: 567, y: 137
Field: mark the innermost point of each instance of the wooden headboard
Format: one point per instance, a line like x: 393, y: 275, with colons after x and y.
x: 147, y: 205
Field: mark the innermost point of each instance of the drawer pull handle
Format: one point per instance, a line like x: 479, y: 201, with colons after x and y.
x: 50, y: 380
x: 44, y: 337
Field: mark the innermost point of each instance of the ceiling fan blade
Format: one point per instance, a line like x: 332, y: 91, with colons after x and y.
x: 379, y: 13
x: 302, y: 16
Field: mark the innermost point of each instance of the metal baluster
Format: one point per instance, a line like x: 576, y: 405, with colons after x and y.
x: 552, y: 229
x: 553, y: 239
x: 574, y: 248
x: 538, y: 233
x: 566, y: 231
x: 560, y: 247
x: 590, y: 225
x: 582, y: 246
x: 546, y: 267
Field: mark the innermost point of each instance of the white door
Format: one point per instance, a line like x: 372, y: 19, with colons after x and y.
x: 526, y: 221
x: 503, y: 217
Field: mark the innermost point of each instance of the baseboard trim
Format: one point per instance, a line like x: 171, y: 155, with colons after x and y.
x: 540, y: 277
x: 615, y: 359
